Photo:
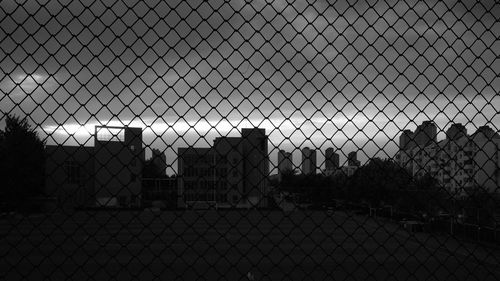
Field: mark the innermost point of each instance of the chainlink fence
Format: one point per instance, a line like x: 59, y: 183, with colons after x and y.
x: 249, y: 140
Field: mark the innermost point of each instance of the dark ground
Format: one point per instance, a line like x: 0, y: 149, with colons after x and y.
x: 232, y: 245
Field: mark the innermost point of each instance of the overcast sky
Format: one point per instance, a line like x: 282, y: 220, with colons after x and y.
x: 312, y: 73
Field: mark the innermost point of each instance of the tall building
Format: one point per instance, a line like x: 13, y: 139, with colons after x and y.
x: 119, y: 157
x: 425, y: 134
x: 456, y: 131
x: 485, y: 133
x: 256, y: 171
x: 308, y: 161
x: 285, y: 162
x: 332, y: 160
x: 352, y: 159
x: 233, y: 172
x: 406, y: 140
x: 460, y: 163
x: 159, y: 160
x: 487, y: 159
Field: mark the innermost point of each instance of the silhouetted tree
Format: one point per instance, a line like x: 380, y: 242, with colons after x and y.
x: 339, y: 183
x: 376, y: 182
x: 320, y: 189
x: 423, y: 195
x: 288, y: 177
x: 431, y: 196
x: 313, y: 188
x: 22, y: 162
x: 151, y: 170
x: 480, y: 206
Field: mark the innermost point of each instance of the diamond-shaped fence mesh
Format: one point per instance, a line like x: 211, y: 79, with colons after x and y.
x: 249, y: 140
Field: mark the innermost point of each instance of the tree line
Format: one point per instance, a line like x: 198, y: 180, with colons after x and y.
x: 22, y: 164
x: 382, y: 182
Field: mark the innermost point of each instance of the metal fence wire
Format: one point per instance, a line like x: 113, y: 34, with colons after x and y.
x: 249, y: 140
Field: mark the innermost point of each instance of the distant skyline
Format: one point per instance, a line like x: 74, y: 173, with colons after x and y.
x: 316, y: 75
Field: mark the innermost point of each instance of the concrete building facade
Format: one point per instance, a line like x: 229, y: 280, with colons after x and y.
x: 232, y: 173
x: 119, y: 157
x: 196, y: 177
x: 229, y: 170
x: 424, y: 135
x: 70, y: 175
x: 107, y: 174
x: 256, y: 170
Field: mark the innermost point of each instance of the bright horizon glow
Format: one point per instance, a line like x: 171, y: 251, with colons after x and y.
x: 289, y: 136
x: 286, y: 127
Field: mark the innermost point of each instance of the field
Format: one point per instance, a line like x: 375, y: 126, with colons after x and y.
x: 232, y: 245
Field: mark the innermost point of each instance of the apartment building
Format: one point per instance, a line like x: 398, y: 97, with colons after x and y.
x: 460, y: 163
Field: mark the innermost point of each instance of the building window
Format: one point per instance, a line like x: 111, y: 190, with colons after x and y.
x: 72, y: 171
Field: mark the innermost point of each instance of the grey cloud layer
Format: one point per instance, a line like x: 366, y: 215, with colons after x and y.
x: 241, y: 59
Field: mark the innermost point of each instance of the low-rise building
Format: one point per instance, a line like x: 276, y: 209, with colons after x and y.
x: 118, y: 162
x: 160, y: 192
x: 196, y: 183
x: 70, y: 175
x: 229, y: 171
x: 232, y: 173
x: 109, y: 173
